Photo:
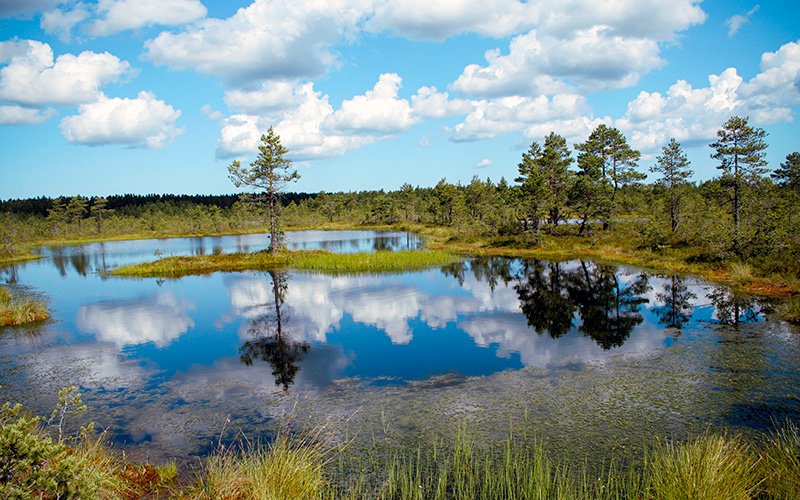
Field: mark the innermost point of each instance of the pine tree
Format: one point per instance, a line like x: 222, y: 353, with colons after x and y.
x: 674, y: 169
x: 270, y: 172
x: 788, y: 174
x: 608, y: 151
x: 741, y: 151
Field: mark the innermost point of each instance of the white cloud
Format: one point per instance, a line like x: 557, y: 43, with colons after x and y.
x: 160, y: 320
x: 430, y: 103
x: 32, y: 76
x: 17, y: 115
x: 270, y: 97
x: 540, y: 64
x: 440, y: 19
x: 120, y: 15
x: 735, y: 23
x: 307, y: 123
x: 695, y: 114
x: 377, y: 111
x: 267, y: 39
x: 486, y: 162
x: 108, y: 17
x: 61, y: 22
x: 507, y: 114
x: 140, y: 122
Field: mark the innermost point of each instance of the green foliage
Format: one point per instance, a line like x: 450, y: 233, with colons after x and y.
x: 32, y: 464
x: 674, y: 169
x: 788, y: 174
x: 545, y: 180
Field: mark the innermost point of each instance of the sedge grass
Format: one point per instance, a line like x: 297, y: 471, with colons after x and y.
x: 287, y: 468
x: 707, y: 468
x: 17, y: 310
x: 780, y: 462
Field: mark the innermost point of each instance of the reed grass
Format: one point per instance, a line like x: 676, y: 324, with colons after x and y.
x: 20, y: 310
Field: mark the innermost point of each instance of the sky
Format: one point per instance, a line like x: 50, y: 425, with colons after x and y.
x: 149, y: 96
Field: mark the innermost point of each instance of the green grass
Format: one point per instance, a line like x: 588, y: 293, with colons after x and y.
x: 286, y: 468
x: 377, y: 262
x: 176, y: 267
x: 16, y: 310
x: 316, y: 260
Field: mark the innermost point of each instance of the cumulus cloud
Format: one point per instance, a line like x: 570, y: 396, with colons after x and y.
x: 735, y: 23
x: 581, y: 43
x: 428, y: 102
x: 440, y: 19
x: 486, y: 162
x: 307, y: 123
x: 377, y: 111
x: 140, y: 122
x: 60, y: 22
x: 265, y: 40
x: 18, y: 115
x: 108, y: 17
x: 540, y: 64
x: 32, y: 77
x: 693, y: 114
x: 507, y: 114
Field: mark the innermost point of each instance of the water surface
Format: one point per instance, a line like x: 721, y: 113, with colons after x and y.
x: 595, y: 357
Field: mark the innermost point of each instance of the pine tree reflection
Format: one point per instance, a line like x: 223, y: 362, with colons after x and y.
x: 677, y: 300
x: 544, y: 299
x: 609, y: 309
x: 270, y: 341
x: 732, y: 309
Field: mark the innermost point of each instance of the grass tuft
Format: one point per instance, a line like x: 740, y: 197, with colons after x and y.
x: 16, y: 310
x: 780, y: 462
x: 710, y: 467
x: 287, y: 468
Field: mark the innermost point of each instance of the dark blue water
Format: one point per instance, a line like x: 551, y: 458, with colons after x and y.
x: 148, y: 350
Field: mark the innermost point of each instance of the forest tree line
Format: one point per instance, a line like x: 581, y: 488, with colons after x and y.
x: 749, y: 212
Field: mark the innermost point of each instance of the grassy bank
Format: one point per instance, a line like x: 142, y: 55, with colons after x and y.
x: 315, y: 260
x: 33, y: 463
x: 19, y: 310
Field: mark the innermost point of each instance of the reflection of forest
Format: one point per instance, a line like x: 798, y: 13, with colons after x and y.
x: 676, y: 299
x: 552, y: 295
x: 270, y: 341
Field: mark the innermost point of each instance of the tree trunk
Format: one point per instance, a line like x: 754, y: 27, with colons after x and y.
x: 273, y: 230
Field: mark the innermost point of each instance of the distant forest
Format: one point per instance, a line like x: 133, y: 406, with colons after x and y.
x: 128, y: 203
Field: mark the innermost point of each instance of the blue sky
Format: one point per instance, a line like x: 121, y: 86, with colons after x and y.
x: 147, y: 96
